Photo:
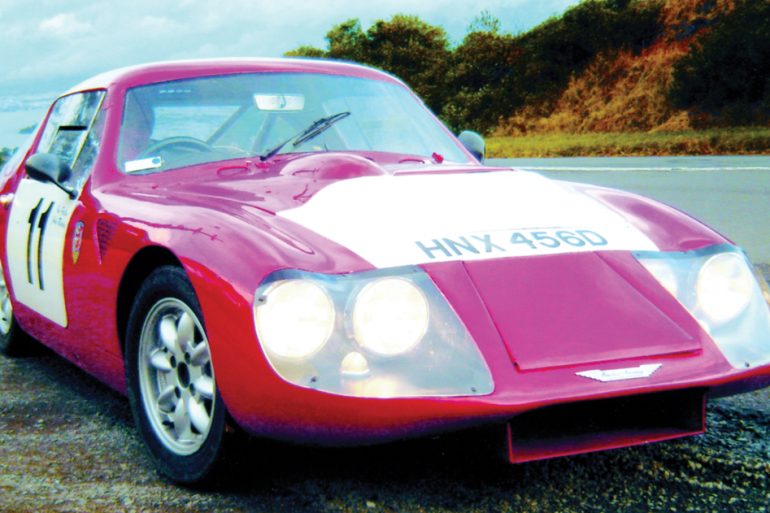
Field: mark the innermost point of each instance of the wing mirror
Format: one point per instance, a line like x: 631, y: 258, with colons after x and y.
x: 474, y: 143
x: 46, y: 167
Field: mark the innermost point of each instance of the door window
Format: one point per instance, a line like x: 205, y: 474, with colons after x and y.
x: 73, y: 133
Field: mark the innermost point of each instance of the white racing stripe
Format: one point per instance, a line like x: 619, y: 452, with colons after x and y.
x: 411, y: 219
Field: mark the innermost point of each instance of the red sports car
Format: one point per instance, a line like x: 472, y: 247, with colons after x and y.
x: 300, y: 249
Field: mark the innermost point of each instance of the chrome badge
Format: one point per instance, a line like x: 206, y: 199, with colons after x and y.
x: 643, y: 371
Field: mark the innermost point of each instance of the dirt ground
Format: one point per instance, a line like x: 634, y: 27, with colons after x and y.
x: 67, y: 444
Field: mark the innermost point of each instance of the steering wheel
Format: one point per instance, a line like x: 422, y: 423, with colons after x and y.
x: 183, y: 141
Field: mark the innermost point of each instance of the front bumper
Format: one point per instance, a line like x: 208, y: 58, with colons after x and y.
x: 263, y: 404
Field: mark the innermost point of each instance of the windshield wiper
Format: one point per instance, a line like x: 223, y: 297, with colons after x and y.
x: 316, y: 127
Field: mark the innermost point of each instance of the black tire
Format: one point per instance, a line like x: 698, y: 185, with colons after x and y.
x: 192, y: 457
x: 15, y: 342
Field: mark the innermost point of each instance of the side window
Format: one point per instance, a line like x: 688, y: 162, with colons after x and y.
x: 85, y: 161
x: 72, y: 133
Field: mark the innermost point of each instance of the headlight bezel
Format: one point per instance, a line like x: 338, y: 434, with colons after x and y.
x: 444, y: 362
x: 743, y: 337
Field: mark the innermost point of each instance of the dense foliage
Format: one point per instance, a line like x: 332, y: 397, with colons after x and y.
x: 404, y: 46
x: 490, y: 73
x: 727, y: 75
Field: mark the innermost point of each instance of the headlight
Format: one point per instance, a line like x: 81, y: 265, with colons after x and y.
x: 716, y: 286
x: 381, y: 333
x: 294, y: 318
x: 390, y: 316
x: 724, y: 287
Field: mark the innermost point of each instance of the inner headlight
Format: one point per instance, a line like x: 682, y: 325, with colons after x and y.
x: 390, y: 316
x: 724, y: 287
x: 294, y: 318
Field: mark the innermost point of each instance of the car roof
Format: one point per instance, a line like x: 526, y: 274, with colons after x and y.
x: 156, y: 72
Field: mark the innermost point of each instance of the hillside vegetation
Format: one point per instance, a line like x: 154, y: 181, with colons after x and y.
x: 603, y: 66
x: 679, y: 75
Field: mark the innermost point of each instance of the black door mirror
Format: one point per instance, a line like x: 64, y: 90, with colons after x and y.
x: 46, y: 167
x: 474, y: 143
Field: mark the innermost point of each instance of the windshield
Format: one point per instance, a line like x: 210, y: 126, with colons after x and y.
x: 185, y: 122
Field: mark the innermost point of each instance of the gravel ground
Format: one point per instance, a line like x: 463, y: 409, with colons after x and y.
x: 67, y: 444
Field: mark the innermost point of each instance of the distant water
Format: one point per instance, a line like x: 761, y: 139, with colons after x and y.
x: 18, y: 113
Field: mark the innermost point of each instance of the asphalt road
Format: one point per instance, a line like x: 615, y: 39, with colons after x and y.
x: 731, y: 194
x: 67, y: 444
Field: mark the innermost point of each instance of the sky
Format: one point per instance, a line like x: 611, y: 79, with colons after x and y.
x: 47, y: 46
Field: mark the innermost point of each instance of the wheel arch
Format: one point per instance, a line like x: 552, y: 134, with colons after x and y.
x: 142, y: 264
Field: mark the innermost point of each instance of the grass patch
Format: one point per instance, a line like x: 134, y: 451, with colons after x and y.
x: 717, y: 141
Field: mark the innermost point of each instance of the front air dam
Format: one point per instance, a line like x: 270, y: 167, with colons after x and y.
x: 588, y: 426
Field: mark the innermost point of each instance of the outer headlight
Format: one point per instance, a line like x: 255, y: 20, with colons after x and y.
x: 716, y: 285
x: 294, y: 318
x: 724, y: 287
x: 381, y: 333
x: 390, y: 316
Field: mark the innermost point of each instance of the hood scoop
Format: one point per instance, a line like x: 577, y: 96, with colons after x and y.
x: 577, y: 309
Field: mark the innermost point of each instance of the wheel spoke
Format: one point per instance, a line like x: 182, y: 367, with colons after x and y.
x: 185, y: 331
x: 7, y: 310
x: 204, y: 385
x: 198, y: 415
x: 200, y: 354
x: 169, y: 335
x: 167, y: 400
x: 160, y: 361
x: 181, y: 419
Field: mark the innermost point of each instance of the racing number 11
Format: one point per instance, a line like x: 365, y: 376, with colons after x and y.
x: 37, y: 220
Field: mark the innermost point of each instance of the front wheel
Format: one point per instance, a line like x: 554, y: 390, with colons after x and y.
x: 170, y: 379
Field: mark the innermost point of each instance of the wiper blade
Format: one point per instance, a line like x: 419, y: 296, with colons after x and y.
x: 316, y: 127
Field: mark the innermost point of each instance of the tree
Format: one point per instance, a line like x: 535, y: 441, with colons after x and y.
x: 405, y: 46
x: 482, y: 80
x: 413, y: 50
x: 347, y: 41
